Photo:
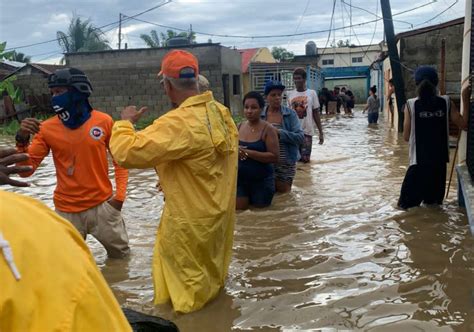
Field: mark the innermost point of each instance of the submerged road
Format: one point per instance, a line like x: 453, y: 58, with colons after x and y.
x: 333, y: 254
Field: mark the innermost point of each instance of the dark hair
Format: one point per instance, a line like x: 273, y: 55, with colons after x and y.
x: 300, y: 71
x: 255, y: 95
x: 426, y: 90
x: 374, y: 91
x: 390, y: 81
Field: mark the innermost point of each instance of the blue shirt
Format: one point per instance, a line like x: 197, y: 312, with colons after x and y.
x: 291, y: 136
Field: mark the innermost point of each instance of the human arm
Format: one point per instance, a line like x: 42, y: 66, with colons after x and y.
x: 459, y: 119
x: 366, y: 107
x: 8, y: 157
x: 293, y: 134
x: 168, y: 138
x: 273, y: 148
x: 37, y: 150
x: 317, y: 120
x: 121, y: 178
x: 406, y: 124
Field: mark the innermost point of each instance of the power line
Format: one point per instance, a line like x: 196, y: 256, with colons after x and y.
x: 299, y: 23
x: 436, y: 16
x: 234, y: 36
x: 281, y: 35
x: 98, y: 28
x: 376, y: 15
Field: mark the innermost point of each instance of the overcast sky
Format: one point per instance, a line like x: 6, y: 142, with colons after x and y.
x: 25, y: 22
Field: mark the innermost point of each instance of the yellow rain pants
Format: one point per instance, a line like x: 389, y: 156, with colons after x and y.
x: 194, y: 151
x: 60, y: 287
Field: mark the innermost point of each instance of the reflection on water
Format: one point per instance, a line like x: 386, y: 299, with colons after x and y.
x: 332, y: 254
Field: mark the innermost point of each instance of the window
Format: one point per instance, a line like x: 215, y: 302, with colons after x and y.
x: 328, y: 62
x: 357, y: 59
x: 236, y: 84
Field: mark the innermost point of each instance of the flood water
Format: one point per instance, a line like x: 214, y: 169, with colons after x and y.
x: 333, y: 255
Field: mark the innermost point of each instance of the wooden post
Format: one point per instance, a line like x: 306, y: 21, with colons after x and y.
x: 442, y: 81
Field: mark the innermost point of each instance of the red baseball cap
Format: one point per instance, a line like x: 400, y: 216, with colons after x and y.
x: 177, y: 60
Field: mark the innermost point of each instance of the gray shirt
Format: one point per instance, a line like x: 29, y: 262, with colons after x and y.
x: 374, y: 104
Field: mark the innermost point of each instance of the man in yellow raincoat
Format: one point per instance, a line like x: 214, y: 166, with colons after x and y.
x: 194, y: 151
x: 48, y: 278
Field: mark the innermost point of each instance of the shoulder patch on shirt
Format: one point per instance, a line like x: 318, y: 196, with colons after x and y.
x: 96, y: 133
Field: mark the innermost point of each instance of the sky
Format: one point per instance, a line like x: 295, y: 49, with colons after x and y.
x: 245, y: 23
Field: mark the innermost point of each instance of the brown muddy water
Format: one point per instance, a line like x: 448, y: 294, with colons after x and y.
x: 333, y: 255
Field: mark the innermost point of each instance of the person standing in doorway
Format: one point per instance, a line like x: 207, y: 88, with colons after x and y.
x: 390, y: 103
x: 194, y: 149
x: 373, y: 106
x: 78, y: 137
x: 305, y: 103
x: 425, y: 127
x: 290, y: 135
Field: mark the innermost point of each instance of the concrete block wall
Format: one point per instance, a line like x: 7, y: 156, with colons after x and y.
x: 129, y: 77
x: 32, y: 85
x: 425, y: 49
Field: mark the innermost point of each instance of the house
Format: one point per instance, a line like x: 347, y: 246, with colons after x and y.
x: 129, y: 76
x: 253, y: 55
x: 7, y: 67
x: 32, y: 78
x: 349, y: 66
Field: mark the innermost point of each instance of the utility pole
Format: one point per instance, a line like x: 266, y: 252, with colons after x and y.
x: 394, y: 61
x: 120, y: 32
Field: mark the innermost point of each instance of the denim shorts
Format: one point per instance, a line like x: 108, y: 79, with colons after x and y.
x: 259, y: 192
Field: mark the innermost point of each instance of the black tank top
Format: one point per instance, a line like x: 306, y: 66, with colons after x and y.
x: 431, y: 131
x: 253, y: 169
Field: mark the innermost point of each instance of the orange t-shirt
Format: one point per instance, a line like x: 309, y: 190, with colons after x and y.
x: 80, y: 158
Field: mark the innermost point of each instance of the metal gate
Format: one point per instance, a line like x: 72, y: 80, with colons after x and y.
x: 260, y: 73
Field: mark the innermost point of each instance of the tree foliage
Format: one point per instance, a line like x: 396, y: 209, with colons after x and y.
x: 7, y: 84
x: 20, y: 57
x: 282, y: 54
x: 151, y: 40
x: 82, y: 36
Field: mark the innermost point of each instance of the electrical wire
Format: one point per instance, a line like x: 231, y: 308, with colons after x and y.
x: 299, y: 23
x: 98, y: 28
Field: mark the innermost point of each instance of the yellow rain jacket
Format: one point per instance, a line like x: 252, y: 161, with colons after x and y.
x: 194, y: 151
x: 48, y: 278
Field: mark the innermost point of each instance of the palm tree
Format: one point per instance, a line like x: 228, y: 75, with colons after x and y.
x: 171, y: 34
x: 20, y: 57
x: 151, y: 40
x: 82, y: 36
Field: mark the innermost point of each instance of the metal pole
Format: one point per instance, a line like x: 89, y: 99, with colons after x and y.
x: 120, y: 32
x: 394, y: 61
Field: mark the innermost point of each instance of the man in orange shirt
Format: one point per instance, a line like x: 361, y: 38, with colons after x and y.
x: 79, y: 139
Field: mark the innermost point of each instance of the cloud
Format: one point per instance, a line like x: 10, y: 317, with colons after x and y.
x: 238, y: 17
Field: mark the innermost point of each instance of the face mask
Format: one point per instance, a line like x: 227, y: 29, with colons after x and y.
x: 72, y: 108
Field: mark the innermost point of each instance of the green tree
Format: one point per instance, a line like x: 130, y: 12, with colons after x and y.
x: 151, y: 40
x: 7, y: 84
x: 3, y: 54
x: 82, y: 36
x: 171, y: 34
x: 281, y: 54
x: 20, y: 57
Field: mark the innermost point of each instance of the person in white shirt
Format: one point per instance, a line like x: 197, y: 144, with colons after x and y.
x: 305, y: 103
